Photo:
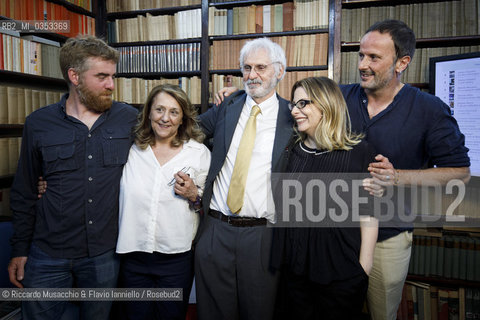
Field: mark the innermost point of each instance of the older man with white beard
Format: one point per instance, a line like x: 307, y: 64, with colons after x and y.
x: 232, y: 273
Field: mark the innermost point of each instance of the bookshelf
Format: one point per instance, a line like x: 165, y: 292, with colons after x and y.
x: 445, y: 280
x: 157, y: 45
x: 308, y: 42
x: 442, y: 27
x: 29, y: 73
x: 210, y: 45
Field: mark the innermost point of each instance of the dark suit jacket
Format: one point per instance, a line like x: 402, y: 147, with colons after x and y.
x: 220, y: 122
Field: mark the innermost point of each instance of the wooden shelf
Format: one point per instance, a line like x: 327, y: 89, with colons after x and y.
x: 439, y: 281
x: 289, y: 69
x: 156, y: 75
x: 11, y: 130
x: 270, y: 34
x: 6, y: 219
x: 448, y: 41
x: 6, y: 181
x: 427, y: 42
x: 243, y: 3
x: 420, y: 85
x: 72, y: 7
x: 32, y: 80
x: 111, y: 16
x: 354, y: 4
x: 149, y: 43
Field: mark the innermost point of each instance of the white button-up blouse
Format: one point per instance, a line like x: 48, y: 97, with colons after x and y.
x: 152, y: 218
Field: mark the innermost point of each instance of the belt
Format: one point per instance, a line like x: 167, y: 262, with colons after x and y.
x: 237, y: 221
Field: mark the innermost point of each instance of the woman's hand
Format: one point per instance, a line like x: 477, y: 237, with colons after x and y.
x: 184, y: 186
x: 373, y: 188
x: 366, y: 263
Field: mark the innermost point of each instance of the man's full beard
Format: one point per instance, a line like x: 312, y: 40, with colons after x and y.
x: 94, y: 102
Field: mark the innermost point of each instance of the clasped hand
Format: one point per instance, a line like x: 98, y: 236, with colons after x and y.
x: 185, y: 186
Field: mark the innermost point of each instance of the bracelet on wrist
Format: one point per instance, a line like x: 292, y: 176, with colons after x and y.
x: 197, y: 204
x: 396, y: 177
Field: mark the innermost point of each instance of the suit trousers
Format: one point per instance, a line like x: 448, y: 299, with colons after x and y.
x: 233, y: 278
x: 390, y: 268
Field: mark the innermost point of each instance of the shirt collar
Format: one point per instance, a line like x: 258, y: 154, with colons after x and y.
x: 63, y: 105
x: 265, y: 106
x: 192, y: 144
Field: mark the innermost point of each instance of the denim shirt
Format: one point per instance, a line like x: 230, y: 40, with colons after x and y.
x: 78, y: 215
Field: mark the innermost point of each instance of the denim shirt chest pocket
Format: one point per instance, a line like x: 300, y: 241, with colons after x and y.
x: 58, y: 152
x: 116, y: 143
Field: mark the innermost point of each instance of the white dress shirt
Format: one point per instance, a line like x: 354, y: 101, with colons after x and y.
x: 152, y: 218
x: 258, y: 190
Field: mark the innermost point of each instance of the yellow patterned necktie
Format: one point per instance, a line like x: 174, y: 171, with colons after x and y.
x: 236, y: 190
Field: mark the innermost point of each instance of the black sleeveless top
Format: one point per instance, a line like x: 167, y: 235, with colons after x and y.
x: 322, y: 254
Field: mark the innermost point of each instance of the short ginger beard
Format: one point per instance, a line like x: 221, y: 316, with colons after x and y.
x: 94, y: 102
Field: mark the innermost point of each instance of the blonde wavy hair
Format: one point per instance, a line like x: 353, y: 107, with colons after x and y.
x: 189, y: 129
x: 333, y: 131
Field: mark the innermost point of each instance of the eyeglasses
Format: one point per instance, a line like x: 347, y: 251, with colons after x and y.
x: 300, y: 104
x: 259, y: 68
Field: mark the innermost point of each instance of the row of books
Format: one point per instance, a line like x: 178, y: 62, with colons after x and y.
x: 43, y: 10
x: 423, y: 301
x: 445, y: 255
x: 5, y: 202
x: 427, y: 20
x: 85, y: 4
x: 9, y: 154
x: 304, y: 50
x: 30, y: 54
x: 35, y: 9
x: 132, y: 5
x: 159, y: 58
x: 136, y: 90
x: 16, y: 103
x: 182, y: 25
x: 220, y: 81
x: 417, y: 71
x: 288, y: 16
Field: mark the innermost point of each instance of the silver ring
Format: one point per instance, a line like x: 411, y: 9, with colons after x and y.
x: 387, y: 177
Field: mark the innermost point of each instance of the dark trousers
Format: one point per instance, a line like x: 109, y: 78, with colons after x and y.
x: 302, y: 298
x: 156, y: 270
x: 232, y: 275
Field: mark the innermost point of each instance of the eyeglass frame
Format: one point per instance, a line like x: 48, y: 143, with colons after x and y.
x: 254, y: 68
x: 305, y: 102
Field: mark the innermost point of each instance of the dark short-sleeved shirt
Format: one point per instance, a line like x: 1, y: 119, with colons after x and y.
x: 415, y: 131
x: 78, y: 215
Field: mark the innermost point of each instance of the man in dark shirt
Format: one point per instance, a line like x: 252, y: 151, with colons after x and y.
x: 79, y: 145
x: 413, y: 131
